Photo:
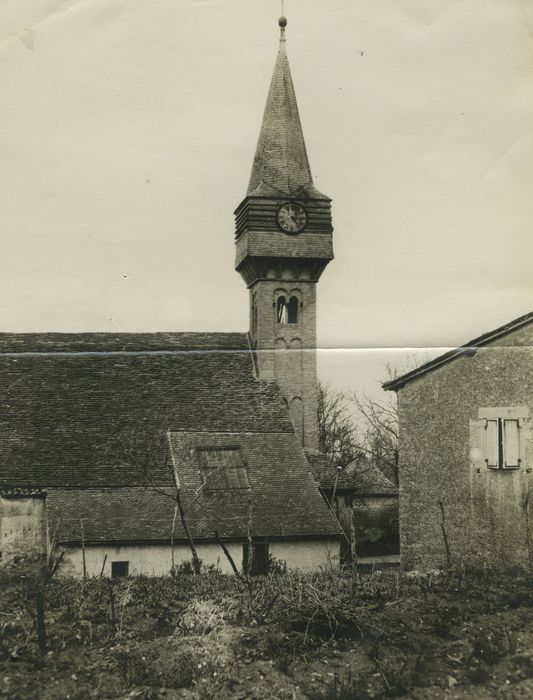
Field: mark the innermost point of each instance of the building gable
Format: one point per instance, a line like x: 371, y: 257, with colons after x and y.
x: 517, y: 333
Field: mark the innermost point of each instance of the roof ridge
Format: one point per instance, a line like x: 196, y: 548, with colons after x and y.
x: 465, y: 349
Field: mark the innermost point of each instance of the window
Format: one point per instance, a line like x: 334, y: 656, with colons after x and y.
x: 281, y: 310
x: 292, y: 310
x: 287, y: 311
x: 119, y: 569
x: 502, y: 443
x: 223, y: 469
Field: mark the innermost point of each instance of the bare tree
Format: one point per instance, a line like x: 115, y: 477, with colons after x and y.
x: 153, y: 457
x: 336, y: 429
x: 29, y: 573
x: 339, y: 439
x: 359, y: 431
x: 379, y: 422
x: 380, y: 433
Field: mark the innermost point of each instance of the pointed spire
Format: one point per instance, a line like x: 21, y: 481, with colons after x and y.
x: 281, y: 163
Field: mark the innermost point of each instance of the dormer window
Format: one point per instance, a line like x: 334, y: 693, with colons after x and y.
x: 223, y: 469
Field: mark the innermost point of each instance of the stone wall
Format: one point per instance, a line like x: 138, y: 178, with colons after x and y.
x: 451, y: 504
x: 287, y: 352
x: 22, y: 525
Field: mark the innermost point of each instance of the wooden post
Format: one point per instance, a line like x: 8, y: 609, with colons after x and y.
x: 83, y: 550
x: 250, y: 540
x: 445, y: 535
x: 353, y: 548
x: 333, y: 495
x: 40, y: 620
x: 528, y: 529
x: 196, y: 563
x: 173, y: 562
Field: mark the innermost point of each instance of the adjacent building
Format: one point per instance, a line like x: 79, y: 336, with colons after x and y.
x: 466, y: 453
x: 365, y: 502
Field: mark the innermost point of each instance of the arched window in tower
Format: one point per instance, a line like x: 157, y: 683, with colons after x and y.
x: 282, y: 310
x: 292, y: 310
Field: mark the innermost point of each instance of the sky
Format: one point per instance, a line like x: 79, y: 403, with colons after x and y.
x: 127, y: 133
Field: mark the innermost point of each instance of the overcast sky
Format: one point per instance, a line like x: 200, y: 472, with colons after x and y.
x: 128, y: 128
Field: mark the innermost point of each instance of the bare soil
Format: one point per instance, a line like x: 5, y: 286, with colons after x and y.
x: 456, y: 635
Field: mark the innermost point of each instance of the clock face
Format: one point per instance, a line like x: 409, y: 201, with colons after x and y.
x: 292, y: 217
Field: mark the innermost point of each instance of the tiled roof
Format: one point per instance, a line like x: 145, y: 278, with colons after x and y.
x: 120, y: 342
x: 21, y: 492
x: 87, y: 419
x: 361, y: 477
x: 284, y: 499
x: 95, y: 419
x: 466, y: 349
x: 281, y: 165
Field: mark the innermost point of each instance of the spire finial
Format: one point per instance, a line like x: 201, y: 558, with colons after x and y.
x: 282, y: 23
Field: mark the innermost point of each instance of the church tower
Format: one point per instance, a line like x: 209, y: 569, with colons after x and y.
x: 284, y: 242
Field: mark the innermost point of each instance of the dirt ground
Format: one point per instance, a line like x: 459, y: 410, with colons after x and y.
x: 326, y: 638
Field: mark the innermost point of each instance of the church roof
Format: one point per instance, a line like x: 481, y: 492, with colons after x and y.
x: 281, y: 165
x: 282, y: 501
x: 120, y: 342
x: 86, y: 417
x: 83, y: 410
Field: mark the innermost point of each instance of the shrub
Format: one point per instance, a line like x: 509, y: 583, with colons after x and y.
x: 342, y: 688
x: 491, y: 642
x: 155, y: 666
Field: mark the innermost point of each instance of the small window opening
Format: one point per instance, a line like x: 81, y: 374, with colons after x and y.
x: 292, y: 310
x: 260, y: 558
x: 281, y: 310
x: 502, y: 443
x: 287, y: 311
x: 120, y: 569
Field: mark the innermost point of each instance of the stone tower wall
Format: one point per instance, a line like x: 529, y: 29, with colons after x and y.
x: 287, y: 351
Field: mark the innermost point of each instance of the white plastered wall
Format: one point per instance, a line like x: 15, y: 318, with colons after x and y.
x: 149, y: 560
x: 156, y: 560
x: 307, y: 555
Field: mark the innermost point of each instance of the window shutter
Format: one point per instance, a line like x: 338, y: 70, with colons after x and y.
x: 526, y: 447
x: 478, y: 466
x: 511, y: 444
x: 491, y: 443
